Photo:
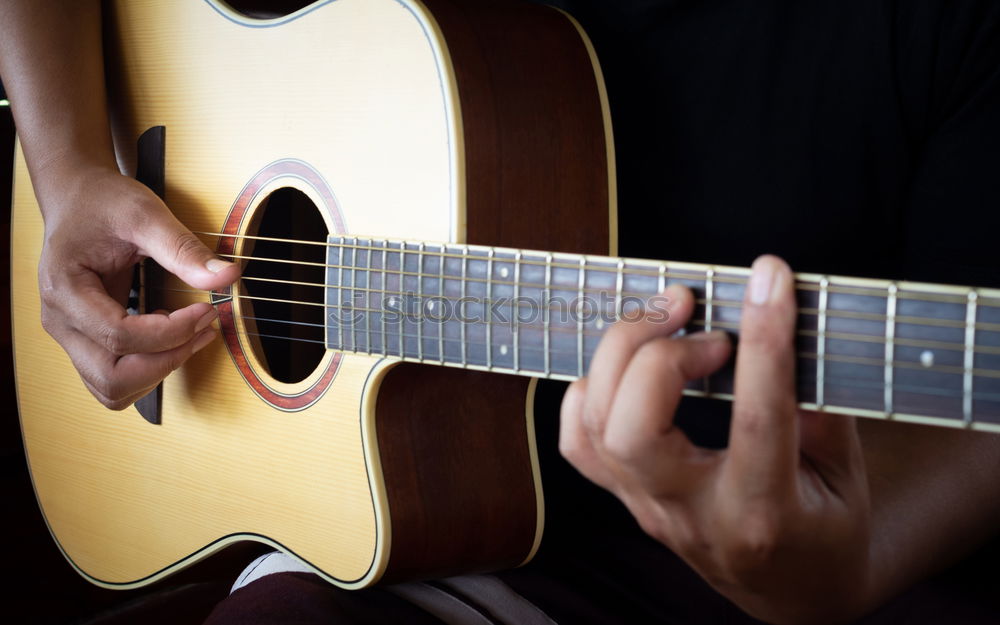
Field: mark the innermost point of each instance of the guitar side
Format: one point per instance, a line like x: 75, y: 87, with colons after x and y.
x: 428, y: 121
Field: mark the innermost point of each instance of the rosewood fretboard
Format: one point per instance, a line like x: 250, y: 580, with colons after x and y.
x: 894, y: 350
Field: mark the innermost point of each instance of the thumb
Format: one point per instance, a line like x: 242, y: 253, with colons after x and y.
x: 165, y: 239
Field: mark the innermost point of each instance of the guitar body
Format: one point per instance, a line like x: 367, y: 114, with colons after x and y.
x: 468, y: 122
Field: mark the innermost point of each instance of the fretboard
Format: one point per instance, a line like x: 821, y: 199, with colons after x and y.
x: 893, y: 350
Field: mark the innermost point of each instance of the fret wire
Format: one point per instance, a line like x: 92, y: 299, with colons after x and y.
x: 890, y: 335
x: 340, y: 296
x: 402, y: 317
x: 662, y: 278
x: 354, y: 283
x: 420, y: 302
x: 804, y: 282
x: 441, y: 295
x: 368, y: 317
x: 461, y: 326
x: 489, y: 298
x: 582, y: 278
x: 382, y: 302
x: 709, y: 294
x: 969, y: 360
x: 821, y: 343
x: 547, y: 299
x: 516, y: 313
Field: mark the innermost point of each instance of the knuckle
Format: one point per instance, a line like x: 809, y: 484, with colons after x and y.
x: 625, y: 450
x: 756, y: 543
x: 752, y: 419
x: 594, y: 421
x: 111, y: 393
x: 50, y: 322
x: 661, y: 354
x: 115, y: 340
x: 185, y: 246
x: 173, y: 362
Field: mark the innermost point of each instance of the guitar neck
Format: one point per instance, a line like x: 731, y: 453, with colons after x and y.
x: 892, y: 350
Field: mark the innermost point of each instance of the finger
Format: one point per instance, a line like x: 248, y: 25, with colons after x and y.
x: 640, y: 438
x: 574, y: 443
x: 95, y: 314
x: 116, y: 404
x: 119, y: 382
x: 166, y: 240
x: 763, y: 445
x: 620, y: 343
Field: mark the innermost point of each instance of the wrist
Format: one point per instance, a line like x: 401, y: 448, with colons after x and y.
x: 61, y: 180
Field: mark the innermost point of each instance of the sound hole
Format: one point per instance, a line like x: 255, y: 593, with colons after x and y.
x: 284, y: 313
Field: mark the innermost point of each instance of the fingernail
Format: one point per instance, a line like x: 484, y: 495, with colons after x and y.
x: 761, y: 281
x: 202, y: 340
x: 217, y: 264
x: 204, y: 322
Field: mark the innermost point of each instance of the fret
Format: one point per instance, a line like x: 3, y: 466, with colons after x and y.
x: 890, y: 334
x: 546, y: 302
x: 420, y: 301
x: 462, y: 315
x: 366, y: 294
x: 709, y: 296
x: 580, y: 312
x: 402, y: 304
x: 905, y: 351
x: 444, y: 311
x: 824, y: 287
x: 709, y: 293
x: 970, y: 346
x: 340, y: 295
x: 489, y: 307
x: 516, y: 336
x: 384, y: 295
x: 356, y: 292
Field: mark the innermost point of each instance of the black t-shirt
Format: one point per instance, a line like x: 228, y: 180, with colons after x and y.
x: 851, y: 137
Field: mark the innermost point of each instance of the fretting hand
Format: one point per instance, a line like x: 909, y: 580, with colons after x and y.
x: 780, y: 521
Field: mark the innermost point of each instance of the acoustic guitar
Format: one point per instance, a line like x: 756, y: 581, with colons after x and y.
x: 385, y: 171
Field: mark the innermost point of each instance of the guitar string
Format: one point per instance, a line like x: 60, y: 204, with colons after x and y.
x: 927, y: 321
x: 829, y: 313
x: 675, y: 275
x: 573, y: 330
x: 695, y: 275
x: 807, y: 381
x: 422, y: 320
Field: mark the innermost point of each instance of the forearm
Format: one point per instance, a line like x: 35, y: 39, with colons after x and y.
x: 935, y: 497
x: 52, y: 64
